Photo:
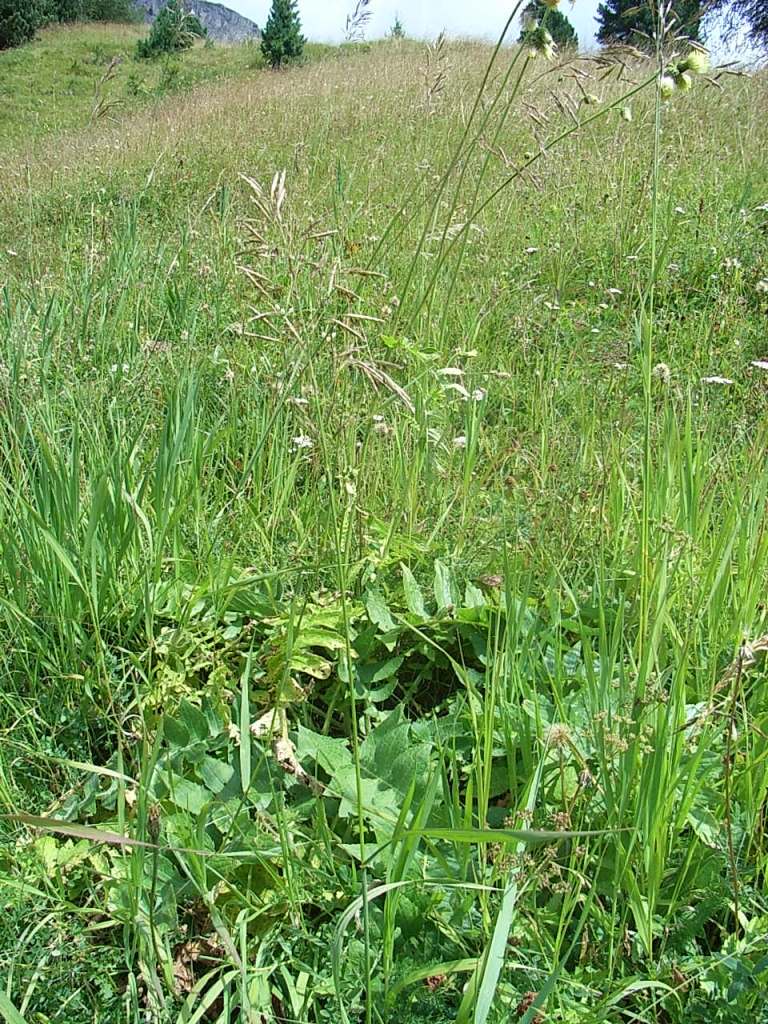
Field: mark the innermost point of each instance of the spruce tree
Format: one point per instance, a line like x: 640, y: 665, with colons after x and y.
x: 627, y: 21
x: 557, y: 24
x: 282, y: 39
x: 173, y: 29
x: 18, y: 21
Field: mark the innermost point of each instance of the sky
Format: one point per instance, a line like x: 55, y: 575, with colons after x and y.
x: 323, y: 20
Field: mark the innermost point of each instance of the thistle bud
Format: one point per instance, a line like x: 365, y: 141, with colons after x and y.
x: 551, y: 4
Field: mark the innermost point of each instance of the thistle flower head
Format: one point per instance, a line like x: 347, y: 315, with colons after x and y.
x: 551, y: 4
x: 666, y: 86
x: 684, y: 81
x: 696, y: 61
x: 540, y: 41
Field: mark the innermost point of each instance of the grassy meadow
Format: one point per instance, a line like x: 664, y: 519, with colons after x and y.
x: 383, y: 550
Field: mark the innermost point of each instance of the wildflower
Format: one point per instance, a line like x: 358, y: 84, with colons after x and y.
x: 666, y: 86
x: 529, y: 21
x: 696, y: 61
x: 760, y: 364
x: 716, y: 379
x: 551, y: 4
x: 479, y: 394
x: 460, y: 441
x: 451, y: 371
x: 626, y: 113
x: 302, y: 441
x: 762, y: 286
x: 459, y: 389
x: 297, y: 400
x: 662, y: 372
x: 679, y: 210
x: 684, y: 81
x: 732, y: 263
x: 541, y: 42
x: 558, y: 735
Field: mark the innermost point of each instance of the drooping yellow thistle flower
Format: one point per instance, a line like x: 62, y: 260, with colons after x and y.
x: 696, y: 61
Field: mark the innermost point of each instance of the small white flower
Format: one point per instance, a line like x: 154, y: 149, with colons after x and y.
x: 460, y: 441
x: 302, y: 441
x: 680, y: 211
x: 760, y: 364
x: 297, y: 400
x: 762, y: 286
x: 716, y: 379
x: 479, y: 394
x: 113, y: 368
x: 451, y: 371
x: 531, y: 250
x: 732, y: 263
x: 663, y: 372
x: 614, y: 291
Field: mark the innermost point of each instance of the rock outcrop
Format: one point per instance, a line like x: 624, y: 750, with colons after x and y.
x: 223, y: 25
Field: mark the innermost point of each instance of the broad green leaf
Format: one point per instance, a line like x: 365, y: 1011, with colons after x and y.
x: 377, y: 609
x: 331, y: 754
x: 705, y: 825
x: 186, y: 794
x: 444, y: 596
x: 474, y: 597
x: 194, y: 720
x: 310, y: 664
x: 215, y: 774
x: 175, y: 732
x: 414, y: 598
x: 318, y: 637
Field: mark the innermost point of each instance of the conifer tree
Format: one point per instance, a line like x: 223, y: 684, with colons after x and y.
x: 282, y: 40
x: 18, y: 21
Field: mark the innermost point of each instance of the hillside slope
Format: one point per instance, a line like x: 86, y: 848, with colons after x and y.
x: 55, y: 84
